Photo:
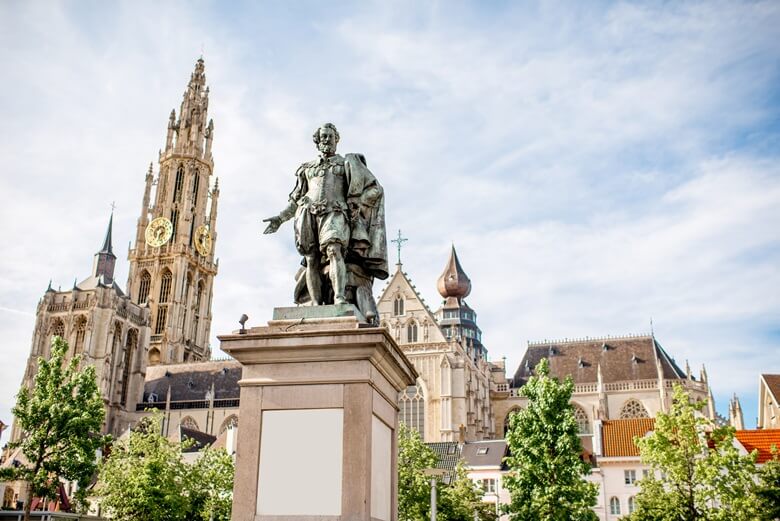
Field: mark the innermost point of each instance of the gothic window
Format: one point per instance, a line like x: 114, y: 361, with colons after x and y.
x: 174, y: 221
x: 143, y: 288
x: 165, y: 286
x: 633, y: 409
x: 398, y: 306
x: 188, y: 422
x: 162, y: 316
x: 230, y: 422
x: 195, y: 186
x: 582, y: 419
x: 412, y: 404
x: 81, y: 331
x: 614, y: 506
x: 411, y: 332
x: 58, y: 328
x: 154, y: 356
x: 178, y: 186
x: 192, y: 233
x: 130, y: 345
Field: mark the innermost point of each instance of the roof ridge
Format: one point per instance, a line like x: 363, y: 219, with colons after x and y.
x: 587, y: 339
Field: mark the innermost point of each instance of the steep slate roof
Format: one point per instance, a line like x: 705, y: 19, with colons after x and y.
x: 618, y: 435
x: 761, y: 440
x: 494, y: 457
x: 621, y: 359
x: 191, y: 381
x: 448, y: 453
x: 773, y: 384
x: 200, y: 440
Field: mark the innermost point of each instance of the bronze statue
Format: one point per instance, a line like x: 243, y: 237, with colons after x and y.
x: 339, y: 213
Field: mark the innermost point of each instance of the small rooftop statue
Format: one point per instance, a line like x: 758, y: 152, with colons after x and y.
x: 338, y: 207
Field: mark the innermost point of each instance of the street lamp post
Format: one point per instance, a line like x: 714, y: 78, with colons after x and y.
x: 433, y: 473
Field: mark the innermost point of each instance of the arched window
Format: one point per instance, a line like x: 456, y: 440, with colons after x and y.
x: 411, y: 403
x: 188, y: 422
x: 162, y: 318
x: 614, y: 506
x: 187, y: 286
x: 411, y: 332
x: 179, y: 183
x: 633, y: 409
x: 631, y: 504
x: 582, y: 419
x: 230, y: 422
x: 174, y: 221
x: 195, y: 186
x: 143, y: 288
x: 154, y: 356
x: 81, y: 331
x: 398, y: 306
x: 130, y: 345
x: 165, y: 286
x: 58, y: 328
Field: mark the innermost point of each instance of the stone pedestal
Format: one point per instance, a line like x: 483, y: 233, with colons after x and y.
x: 318, y: 419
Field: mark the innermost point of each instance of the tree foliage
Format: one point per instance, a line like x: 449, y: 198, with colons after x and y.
x: 698, y: 473
x: 145, y: 477
x: 458, y: 500
x: 61, y: 418
x: 461, y: 499
x: 546, y: 478
x: 211, y: 485
x: 414, y: 489
x: 768, y: 491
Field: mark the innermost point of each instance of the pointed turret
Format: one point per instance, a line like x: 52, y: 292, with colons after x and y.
x: 456, y: 318
x: 191, y: 128
x: 453, y: 282
x: 105, y: 259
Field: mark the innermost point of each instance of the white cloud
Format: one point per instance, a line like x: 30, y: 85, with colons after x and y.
x: 595, y: 165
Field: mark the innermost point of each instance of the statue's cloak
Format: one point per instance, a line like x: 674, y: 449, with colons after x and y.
x: 368, y: 243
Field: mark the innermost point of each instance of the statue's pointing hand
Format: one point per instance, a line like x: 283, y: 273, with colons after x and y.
x: 273, y: 224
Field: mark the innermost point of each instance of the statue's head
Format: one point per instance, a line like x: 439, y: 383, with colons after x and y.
x: 326, y: 137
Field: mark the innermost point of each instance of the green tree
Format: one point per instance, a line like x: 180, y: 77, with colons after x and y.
x: 461, y: 499
x: 458, y: 500
x: 61, y: 419
x: 768, y: 491
x: 210, y: 485
x: 698, y: 473
x: 144, y: 477
x: 414, y: 489
x: 546, y: 478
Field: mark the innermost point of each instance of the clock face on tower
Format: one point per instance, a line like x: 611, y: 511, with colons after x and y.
x: 203, y: 240
x: 158, y: 232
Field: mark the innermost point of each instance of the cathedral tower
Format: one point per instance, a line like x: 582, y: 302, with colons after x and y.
x: 172, y: 265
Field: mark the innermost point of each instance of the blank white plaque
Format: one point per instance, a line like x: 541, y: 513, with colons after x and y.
x: 300, y: 462
x: 381, y: 469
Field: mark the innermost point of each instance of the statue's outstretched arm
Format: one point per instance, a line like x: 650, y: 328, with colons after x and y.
x: 276, y: 221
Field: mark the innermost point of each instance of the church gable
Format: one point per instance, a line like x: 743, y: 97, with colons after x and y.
x: 403, y: 311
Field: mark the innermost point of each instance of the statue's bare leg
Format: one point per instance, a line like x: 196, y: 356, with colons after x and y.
x: 313, y: 282
x: 338, y: 272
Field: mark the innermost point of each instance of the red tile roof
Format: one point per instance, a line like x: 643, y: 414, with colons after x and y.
x: 761, y: 439
x: 618, y: 435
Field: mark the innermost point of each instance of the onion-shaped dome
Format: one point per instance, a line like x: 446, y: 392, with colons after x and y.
x: 454, y: 282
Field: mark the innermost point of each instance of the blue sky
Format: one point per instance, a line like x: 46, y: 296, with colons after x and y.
x: 595, y: 164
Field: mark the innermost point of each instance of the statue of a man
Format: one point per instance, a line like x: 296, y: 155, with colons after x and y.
x: 338, y: 207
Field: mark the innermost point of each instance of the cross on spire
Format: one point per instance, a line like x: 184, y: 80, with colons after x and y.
x: 399, y: 241
x: 113, y: 206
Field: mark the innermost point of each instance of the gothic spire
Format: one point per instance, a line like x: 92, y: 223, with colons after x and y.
x: 105, y: 258
x: 107, y: 241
